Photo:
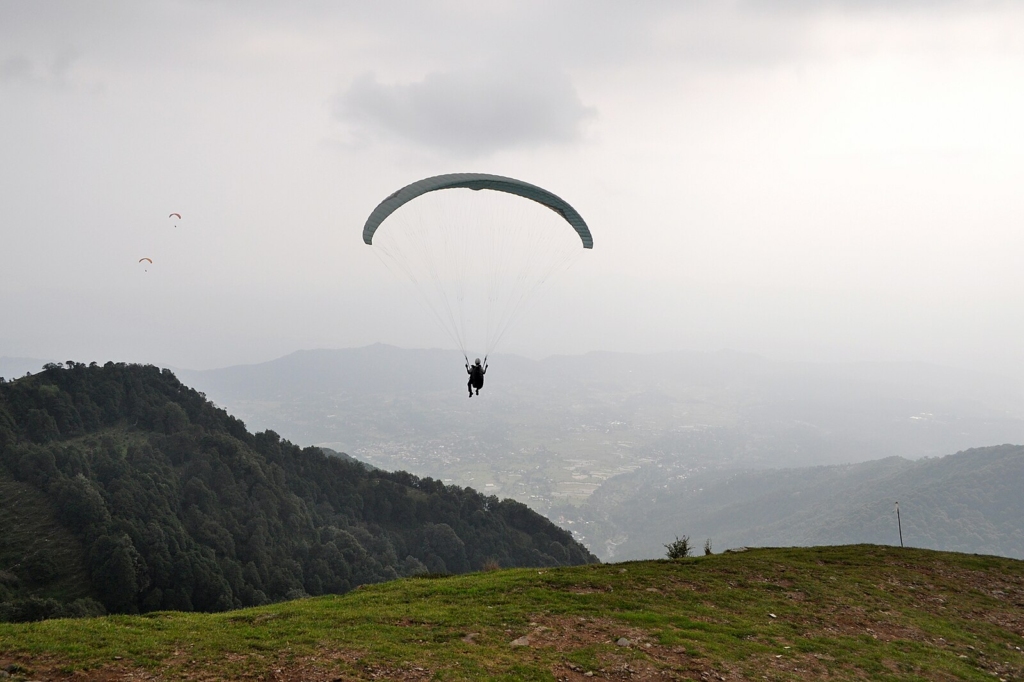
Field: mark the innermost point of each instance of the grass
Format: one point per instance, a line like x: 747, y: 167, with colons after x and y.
x: 851, y: 612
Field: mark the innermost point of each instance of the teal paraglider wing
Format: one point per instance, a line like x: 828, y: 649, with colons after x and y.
x: 477, y: 181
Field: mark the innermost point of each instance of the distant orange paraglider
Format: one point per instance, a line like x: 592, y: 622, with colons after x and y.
x: 149, y: 260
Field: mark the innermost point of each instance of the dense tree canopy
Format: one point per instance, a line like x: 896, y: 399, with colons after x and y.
x: 177, y: 506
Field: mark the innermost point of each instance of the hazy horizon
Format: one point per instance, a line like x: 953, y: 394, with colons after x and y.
x: 22, y: 364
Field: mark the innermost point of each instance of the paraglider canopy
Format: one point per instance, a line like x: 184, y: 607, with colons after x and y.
x: 149, y: 259
x: 175, y: 215
x: 477, y: 181
x: 476, y: 257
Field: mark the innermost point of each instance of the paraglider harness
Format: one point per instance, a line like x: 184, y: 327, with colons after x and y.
x: 476, y: 375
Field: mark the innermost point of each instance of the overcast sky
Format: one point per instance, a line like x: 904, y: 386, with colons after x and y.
x: 804, y: 180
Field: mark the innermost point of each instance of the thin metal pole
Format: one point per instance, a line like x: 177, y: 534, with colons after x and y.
x: 899, y: 524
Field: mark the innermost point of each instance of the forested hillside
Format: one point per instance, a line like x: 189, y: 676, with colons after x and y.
x: 125, y: 487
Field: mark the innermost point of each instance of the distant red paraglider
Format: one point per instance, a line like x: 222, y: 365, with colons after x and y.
x: 175, y: 215
x: 149, y: 260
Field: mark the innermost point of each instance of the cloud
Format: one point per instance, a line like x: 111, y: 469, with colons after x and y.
x: 470, y: 113
x: 20, y: 68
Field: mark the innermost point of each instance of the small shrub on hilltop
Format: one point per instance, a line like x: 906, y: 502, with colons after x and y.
x: 680, y: 548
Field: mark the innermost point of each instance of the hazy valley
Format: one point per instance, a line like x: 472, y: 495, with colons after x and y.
x: 568, y: 434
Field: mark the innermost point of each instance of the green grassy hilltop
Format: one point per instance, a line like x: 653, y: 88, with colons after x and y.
x: 849, y: 612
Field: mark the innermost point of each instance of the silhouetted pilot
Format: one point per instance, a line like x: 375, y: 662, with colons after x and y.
x: 476, y: 377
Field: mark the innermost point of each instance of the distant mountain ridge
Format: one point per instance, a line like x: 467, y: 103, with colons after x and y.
x: 968, y: 502
x: 148, y: 497
x: 837, y: 398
